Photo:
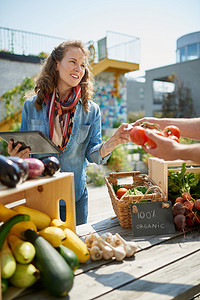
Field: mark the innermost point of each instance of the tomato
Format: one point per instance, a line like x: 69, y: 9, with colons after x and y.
x: 175, y: 138
x: 138, y: 136
x: 172, y: 130
x: 120, y: 192
x: 151, y: 143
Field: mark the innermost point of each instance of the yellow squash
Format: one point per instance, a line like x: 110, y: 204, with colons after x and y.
x: 54, y: 235
x: 73, y: 242
x: 20, y: 227
x: 23, y: 251
x: 6, y: 213
x: 40, y: 219
x: 8, y: 262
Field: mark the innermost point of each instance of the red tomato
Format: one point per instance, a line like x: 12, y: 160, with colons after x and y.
x: 151, y: 143
x: 120, y: 192
x: 172, y: 130
x: 138, y: 136
x: 175, y: 138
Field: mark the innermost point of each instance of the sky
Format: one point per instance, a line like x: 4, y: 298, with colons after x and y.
x: 157, y: 23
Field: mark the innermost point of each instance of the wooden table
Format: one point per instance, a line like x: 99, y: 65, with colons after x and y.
x: 164, y: 267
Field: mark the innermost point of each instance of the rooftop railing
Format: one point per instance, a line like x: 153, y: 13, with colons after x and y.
x: 26, y: 43
x: 114, y: 45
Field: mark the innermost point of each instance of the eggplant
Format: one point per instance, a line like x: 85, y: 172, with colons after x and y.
x: 35, y: 167
x: 10, y: 174
x: 51, y: 165
x: 23, y: 166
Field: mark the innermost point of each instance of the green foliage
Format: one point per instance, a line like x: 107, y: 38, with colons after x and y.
x: 180, y: 182
x: 3, y: 148
x: 134, y: 116
x: 118, y: 159
x: 95, y: 175
x: 4, y: 144
x: 16, y: 93
x: 117, y: 123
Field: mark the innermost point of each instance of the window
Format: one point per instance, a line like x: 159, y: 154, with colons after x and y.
x: 182, y: 55
x: 192, y: 52
x: 141, y: 93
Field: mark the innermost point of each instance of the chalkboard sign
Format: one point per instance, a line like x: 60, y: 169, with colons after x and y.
x: 152, y: 218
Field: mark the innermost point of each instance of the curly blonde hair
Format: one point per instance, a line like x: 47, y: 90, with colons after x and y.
x: 48, y: 77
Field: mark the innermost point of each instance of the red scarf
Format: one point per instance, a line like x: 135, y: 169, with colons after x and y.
x: 61, y: 116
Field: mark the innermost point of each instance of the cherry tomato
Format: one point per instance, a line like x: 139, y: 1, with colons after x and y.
x: 138, y: 136
x: 172, y: 130
x: 120, y: 192
x: 150, y: 142
x: 175, y: 138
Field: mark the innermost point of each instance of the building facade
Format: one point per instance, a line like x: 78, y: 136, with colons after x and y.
x: 186, y: 70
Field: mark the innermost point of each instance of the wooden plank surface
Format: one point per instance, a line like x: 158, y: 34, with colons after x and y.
x: 102, y: 280
x: 179, y: 281
x: 153, y: 266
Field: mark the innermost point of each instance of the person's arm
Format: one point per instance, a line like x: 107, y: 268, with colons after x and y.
x: 189, y: 127
x: 168, y: 149
x: 119, y: 137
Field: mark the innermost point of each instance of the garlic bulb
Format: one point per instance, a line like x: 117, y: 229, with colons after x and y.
x: 129, y: 247
x: 96, y: 253
x: 119, y: 251
x: 108, y: 237
x: 116, y: 241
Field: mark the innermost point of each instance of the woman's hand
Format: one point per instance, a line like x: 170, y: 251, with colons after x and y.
x: 15, y: 151
x: 121, y: 136
x: 166, y: 148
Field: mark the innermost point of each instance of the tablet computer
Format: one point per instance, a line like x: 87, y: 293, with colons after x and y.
x: 37, y: 141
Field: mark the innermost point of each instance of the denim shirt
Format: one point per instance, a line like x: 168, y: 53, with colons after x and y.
x: 84, y: 143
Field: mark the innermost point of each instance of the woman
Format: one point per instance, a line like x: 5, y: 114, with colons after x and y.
x: 168, y: 149
x: 63, y: 110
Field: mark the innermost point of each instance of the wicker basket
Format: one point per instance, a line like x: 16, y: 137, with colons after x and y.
x: 122, y: 207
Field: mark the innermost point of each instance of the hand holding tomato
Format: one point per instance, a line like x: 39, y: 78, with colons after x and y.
x: 139, y: 137
x: 166, y: 148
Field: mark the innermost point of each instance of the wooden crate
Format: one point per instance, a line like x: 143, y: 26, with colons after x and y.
x: 158, y: 170
x: 43, y: 194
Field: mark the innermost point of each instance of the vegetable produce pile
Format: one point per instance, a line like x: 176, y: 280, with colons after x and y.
x: 139, y: 137
x: 35, y: 248
x: 121, y: 192
x: 184, y: 192
x: 15, y: 170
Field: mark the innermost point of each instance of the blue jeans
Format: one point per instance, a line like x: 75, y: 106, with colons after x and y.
x: 81, y: 209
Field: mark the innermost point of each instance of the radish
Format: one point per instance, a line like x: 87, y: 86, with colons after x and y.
x: 188, y: 205
x: 179, y: 199
x: 180, y: 221
x: 197, y: 204
x: 178, y: 208
x: 186, y: 196
x: 189, y: 222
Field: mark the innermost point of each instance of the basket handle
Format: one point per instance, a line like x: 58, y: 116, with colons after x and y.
x: 116, y: 175
x: 124, y: 174
x: 153, y: 187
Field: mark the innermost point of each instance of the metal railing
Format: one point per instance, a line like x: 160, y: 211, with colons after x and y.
x: 26, y: 43
x: 115, y: 45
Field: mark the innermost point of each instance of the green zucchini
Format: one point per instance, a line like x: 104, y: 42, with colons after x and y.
x: 4, y: 285
x: 56, y: 275
x: 7, y: 225
x: 70, y: 257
